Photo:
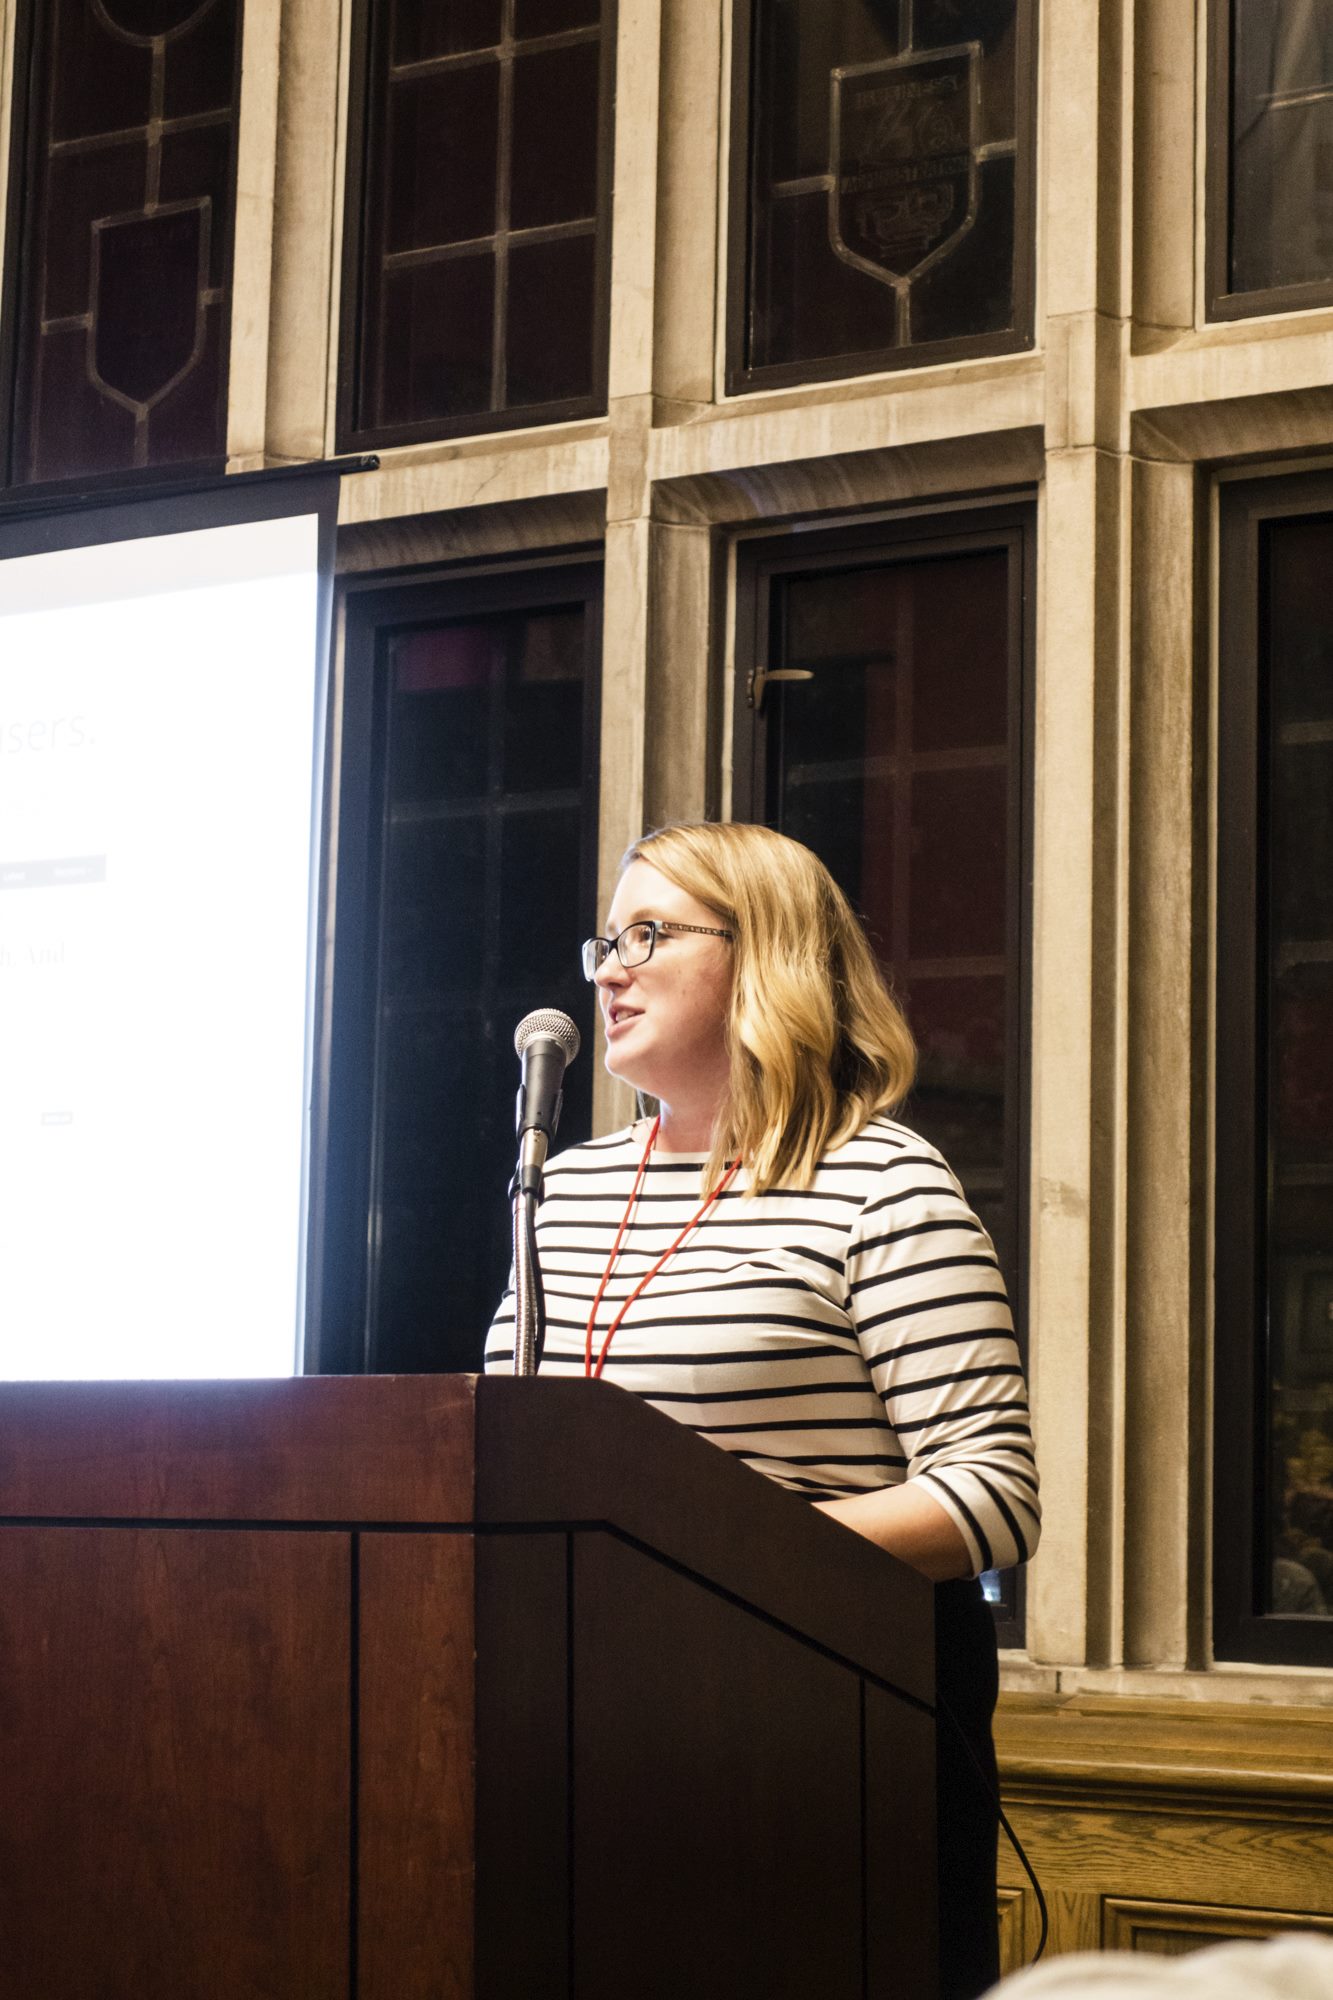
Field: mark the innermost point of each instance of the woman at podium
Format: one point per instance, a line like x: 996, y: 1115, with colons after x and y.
x: 771, y: 1258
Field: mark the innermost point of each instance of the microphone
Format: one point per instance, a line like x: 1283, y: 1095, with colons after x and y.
x: 546, y: 1042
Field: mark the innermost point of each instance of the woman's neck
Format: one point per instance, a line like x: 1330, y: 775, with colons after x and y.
x: 686, y: 1128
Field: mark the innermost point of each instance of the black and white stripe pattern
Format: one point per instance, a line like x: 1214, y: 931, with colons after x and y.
x: 838, y: 1338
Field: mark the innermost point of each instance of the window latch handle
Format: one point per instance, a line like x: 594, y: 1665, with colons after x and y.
x: 761, y: 676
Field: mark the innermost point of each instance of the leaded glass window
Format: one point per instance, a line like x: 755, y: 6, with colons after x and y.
x: 1274, y: 1119
x: 881, y: 721
x: 477, y: 234
x: 882, y: 184
x: 467, y: 857
x: 120, y: 267
x: 1270, y: 193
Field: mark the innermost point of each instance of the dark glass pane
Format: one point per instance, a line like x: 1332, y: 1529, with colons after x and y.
x: 553, y: 17
x: 477, y: 149
x: 69, y: 421
x: 195, y: 165
x: 83, y: 187
x: 960, y: 693
x: 957, y: 902
x: 971, y: 290
x: 435, y: 907
x: 200, y: 76
x: 554, y: 172
x: 437, y: 339
x: 442, y: 691
x: 197, y: 401
x: 1299, y: 1147
x: 422, y: 29
x: 1282, y: 145
x: 959, y: 1025
x: 539, y: 864
x: 543, y: 722
x: 441, y: 155
x: 147, y: 308
x: 892, y: 761
x: 883, y: 184
x: 550, y: 320
x: 481, y: 921
x: 131, y: 238
x: 145, y: 20
x: 96, y: 82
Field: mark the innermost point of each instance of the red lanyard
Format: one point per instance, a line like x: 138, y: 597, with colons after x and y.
x: 643, y: 1284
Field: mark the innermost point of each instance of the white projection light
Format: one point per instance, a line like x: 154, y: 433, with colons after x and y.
x: 159, y: 740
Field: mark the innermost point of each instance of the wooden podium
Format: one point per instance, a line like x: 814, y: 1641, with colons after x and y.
x: 421, y: 1688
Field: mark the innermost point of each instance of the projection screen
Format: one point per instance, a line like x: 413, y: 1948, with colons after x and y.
x: 162, y: 703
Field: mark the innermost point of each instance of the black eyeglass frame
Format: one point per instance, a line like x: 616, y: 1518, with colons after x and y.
x: 593, y: 960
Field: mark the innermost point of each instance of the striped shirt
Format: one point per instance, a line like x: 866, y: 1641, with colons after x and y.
x: 839, y: 1338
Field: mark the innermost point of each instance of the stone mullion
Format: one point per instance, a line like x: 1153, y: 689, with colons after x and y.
x: 626, y: 611
x: 1079, y: 905
x: 252, y: 266
x: 1166, y: 1410
x: 303, y: 323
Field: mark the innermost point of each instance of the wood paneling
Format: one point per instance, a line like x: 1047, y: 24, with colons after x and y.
x: 1174, y: 1928
x: 173, y: 1737
x: 1163, y: 1826
x: 416, y: 1777
x: 588, y: 1452
x: 665, y: 1716
x: 523, y: 1879
x: 319, y: 1448
x: 901, y: 1931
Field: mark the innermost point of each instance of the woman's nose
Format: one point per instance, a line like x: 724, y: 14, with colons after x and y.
x: 610, y: 972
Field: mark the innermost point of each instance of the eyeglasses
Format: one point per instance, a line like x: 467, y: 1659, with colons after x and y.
x: 637, y: 943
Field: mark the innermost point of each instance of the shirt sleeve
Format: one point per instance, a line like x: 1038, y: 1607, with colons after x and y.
x: 932, y: 1317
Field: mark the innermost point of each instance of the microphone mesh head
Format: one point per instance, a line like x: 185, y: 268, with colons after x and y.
x: 548, y: 1021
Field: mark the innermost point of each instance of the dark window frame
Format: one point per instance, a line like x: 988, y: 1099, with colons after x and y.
x: 1222, y: 302
x: 363, y: 126
x: 32, y: 30
x: 742, y: 379
x: 1241, y: 1631
x: 346, y: 1117
x: 909, y: 535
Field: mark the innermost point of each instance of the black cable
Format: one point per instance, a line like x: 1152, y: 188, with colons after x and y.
x: 993, y: 1798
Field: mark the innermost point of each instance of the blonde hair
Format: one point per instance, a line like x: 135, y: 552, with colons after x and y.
x: 817, y: 1043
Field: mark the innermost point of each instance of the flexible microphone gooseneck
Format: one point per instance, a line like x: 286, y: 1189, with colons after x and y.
x: 546, y: 1042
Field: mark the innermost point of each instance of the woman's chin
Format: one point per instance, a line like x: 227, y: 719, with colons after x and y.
x: 625, y: 1070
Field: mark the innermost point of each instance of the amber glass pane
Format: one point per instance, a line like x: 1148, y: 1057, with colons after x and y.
x: 1281, y: 145
x: 882, y: 191
x: 487, y: 128
x: 1299, y: 1152
x: 122, y: 313
x: 893, y: 762
x: 480, y: 923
